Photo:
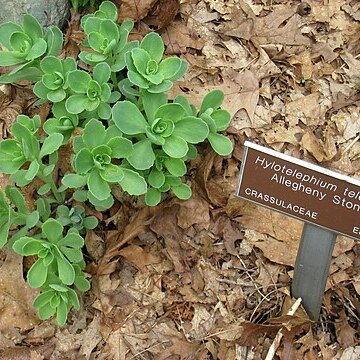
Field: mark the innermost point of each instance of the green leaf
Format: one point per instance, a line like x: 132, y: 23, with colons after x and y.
x: 152, y: 102
x: 80, y: 195
x: 40, y: 90
x: 37, y: 50
x: 142, y: 157
x: 192, y: 130
x: 120, y: 147
x: 75, y: 104
x: 104, y: 111
x: 52, y: 230
x: 73, y: 298
x: 90, y: 222
x: 8, y: 59
x: 16, y: 197
x: 37, y: 274
x: 56, y: 95
x: 163, y: 87
x: 61, y: 314
x: 6, y: 30
x: 132, y: 182
x: 175, y: 147
x: 43, y: 299
x: 173, y: 112
x: 46, y: 312
x: 22, y: 72
x: 212, y: 100
x: 110, y: 30
x: 32, y: 219
x: 140, y: 60
x: 4, y: 219
x: 11, y: 158
x: 183, y: 101
x: 156, y: 178
x: 170, y: 67
x: 51, y: 144
x: 176, y: 167
x: 110, y: 10
x: 54, y: 39
x: 94, y: 134
x: 181, y: 72
x: 50, y: 65
x: 112, y: 173
x: 43, y: 206
x: 32, y: 27
x: 128, y: 118
x: 32, y: 171
x: 78, y: 81
x: 72, y: 240
x: 222, y: 119
x: 83, y: 161
x: 101, y: 205
x: 182, y: 191
x: 44, y: 189
x: 221, y: 144
x: 102, y: 73
x: 73, y: 181
x: 137, y: 79
x: 98, y: 187
x: 96, y: 41
x: 65, y: 269
x: 48, y: 169
x: 152, y: 197
x: 153, y: 44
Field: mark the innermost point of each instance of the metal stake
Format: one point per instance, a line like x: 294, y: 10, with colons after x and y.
x: 312, y: 267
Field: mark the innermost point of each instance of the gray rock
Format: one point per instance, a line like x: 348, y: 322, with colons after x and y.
x: 48, y: 12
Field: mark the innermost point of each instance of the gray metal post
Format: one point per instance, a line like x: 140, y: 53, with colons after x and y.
x: 312, y: 267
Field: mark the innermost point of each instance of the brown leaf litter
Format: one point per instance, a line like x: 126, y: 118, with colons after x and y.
x: 209, y: 278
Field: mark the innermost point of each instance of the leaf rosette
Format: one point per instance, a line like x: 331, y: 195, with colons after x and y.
x: 91, y: 93
x: 167, y: 126
x: 56, y: 298
x: 63, y: 122
x: 166, y: 175
x: 56, y: 250
x: 25, y: 148
x: 53, y: 84
x: 75, y: 217
x: 217, y: 120
x: 23, y: 43
x: 107, y: 40
x: 147, y: 70
x: 95, y: 151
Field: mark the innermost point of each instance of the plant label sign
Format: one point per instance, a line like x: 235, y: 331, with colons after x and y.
x: 300, y: 189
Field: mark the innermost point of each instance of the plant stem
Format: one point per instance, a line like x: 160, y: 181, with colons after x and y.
x: 114, y: 80
x: 49, y: 180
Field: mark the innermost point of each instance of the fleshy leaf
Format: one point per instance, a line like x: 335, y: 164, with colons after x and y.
x: 142, y: 157
x: 192, y: 130
x: 152, y: 197
x: 128, y: 118
x: 98, y: 187
x: 133, y: 183
x: 94, y: 134
x: 221, y: 144
x: 175, y: 147
x: 182, y: 191
x: 212, y: 100
x: 154, y: 45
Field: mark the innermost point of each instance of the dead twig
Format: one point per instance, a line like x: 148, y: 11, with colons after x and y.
x: 274, y: 346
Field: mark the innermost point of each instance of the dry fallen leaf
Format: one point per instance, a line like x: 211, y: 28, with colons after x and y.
x: 136, y: 10
x: 16, y: 296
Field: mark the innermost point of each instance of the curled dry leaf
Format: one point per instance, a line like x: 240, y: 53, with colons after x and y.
x: 136, y: 10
